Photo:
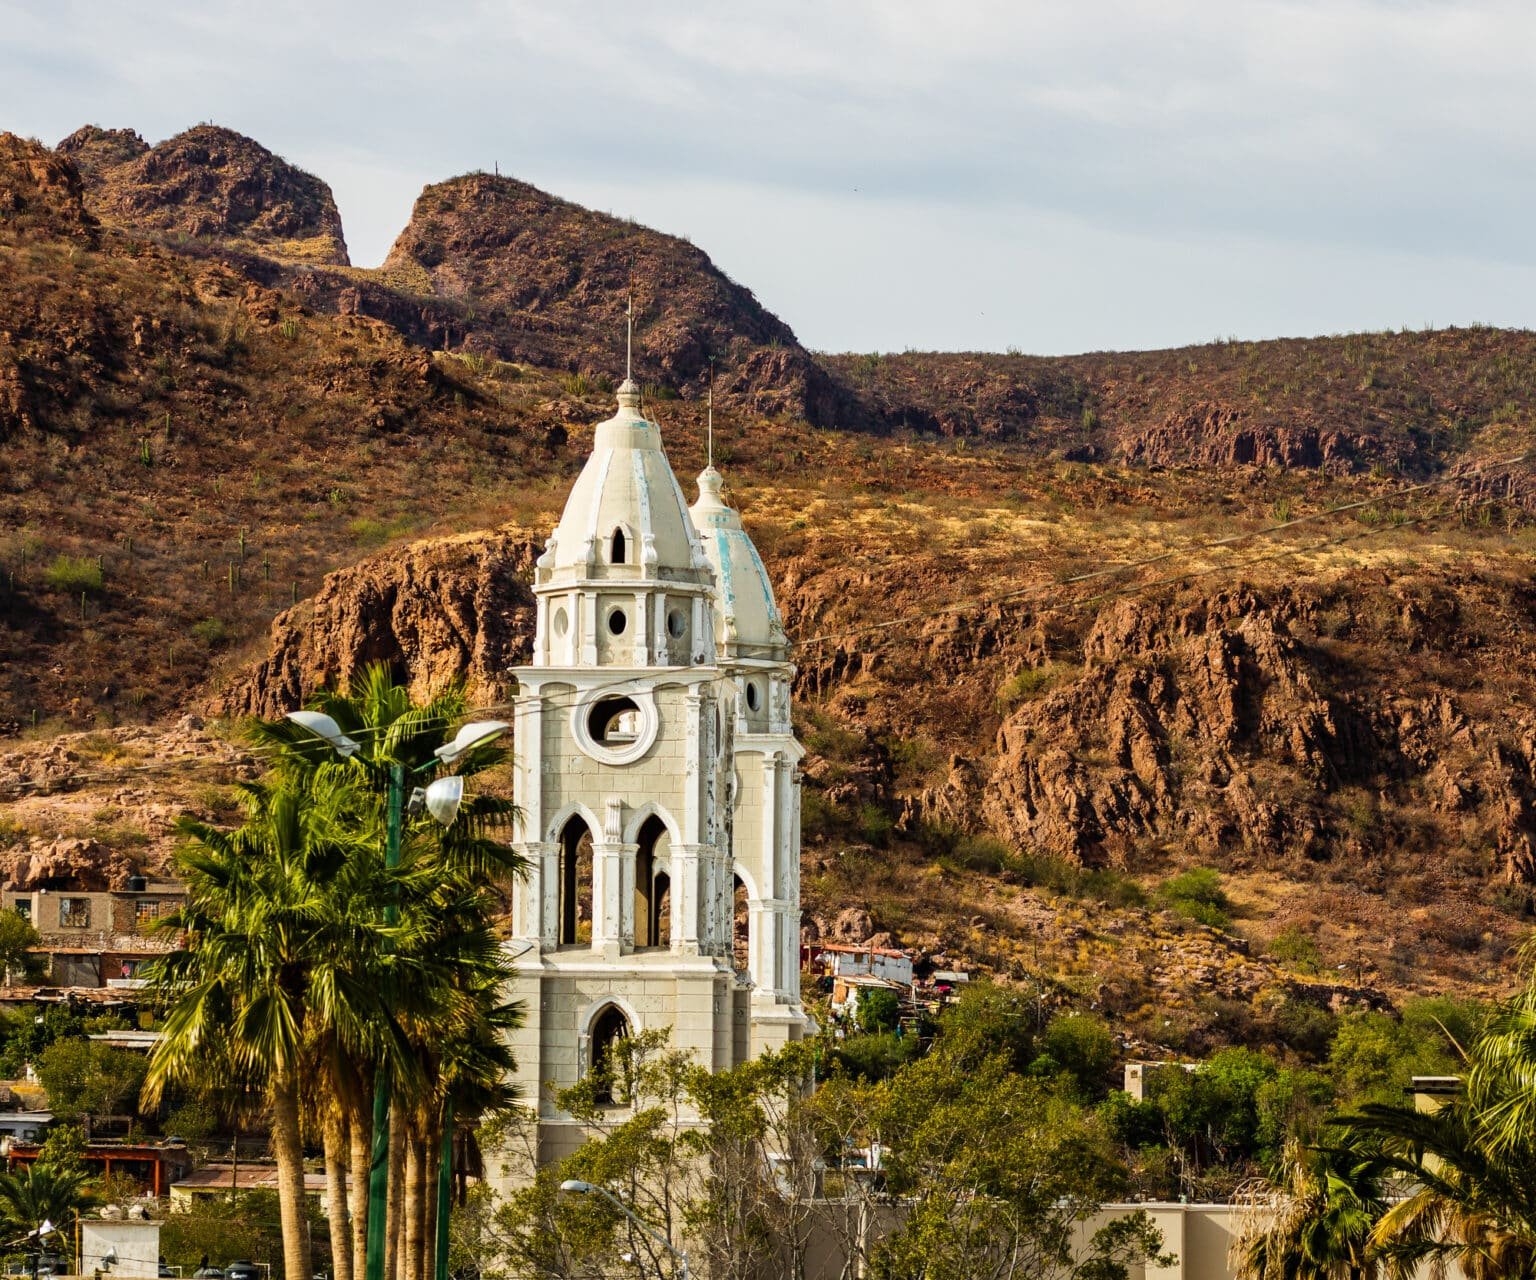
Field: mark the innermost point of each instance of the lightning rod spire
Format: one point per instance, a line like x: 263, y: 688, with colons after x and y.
x: 711, y: 419
x: 629, y: 337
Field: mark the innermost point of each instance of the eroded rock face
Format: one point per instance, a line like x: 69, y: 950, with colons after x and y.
x: 210, y: 184
x: 40, y: 193
x: 433, y: 611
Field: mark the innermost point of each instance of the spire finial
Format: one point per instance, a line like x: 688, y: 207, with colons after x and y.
x: 711, y: 427
x: 629, y: 337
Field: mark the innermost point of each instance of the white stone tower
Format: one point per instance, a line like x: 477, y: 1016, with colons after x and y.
x: 656, y: 777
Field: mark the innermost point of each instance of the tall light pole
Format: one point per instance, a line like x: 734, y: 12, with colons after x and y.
x: 441, y: 799
x: 573, y: 1186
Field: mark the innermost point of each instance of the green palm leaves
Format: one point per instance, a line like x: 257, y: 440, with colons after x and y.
x: 310, y: 965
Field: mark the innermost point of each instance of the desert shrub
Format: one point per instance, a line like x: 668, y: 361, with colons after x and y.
x: 211, y: 631
x: 1197, y: 895
x: 73, y: 574
x: 1032, y: 682
x: 1294, y: 946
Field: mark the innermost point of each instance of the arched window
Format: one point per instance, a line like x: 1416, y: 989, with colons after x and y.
x: 653, y: 925
x: 618, y: 547
x: 608, y: 1029
x: 575, y: 884
x: 741, y: 928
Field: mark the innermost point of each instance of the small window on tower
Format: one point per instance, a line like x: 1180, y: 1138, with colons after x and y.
x: 753, y: 697
x: 617, y: 622
x: 676, y: 624
x: 618, y: 546
x: 562, y: 622
x: 614, y: 722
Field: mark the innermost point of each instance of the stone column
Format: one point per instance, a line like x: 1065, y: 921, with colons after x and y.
x: 688, y: 901
x: 587, y: 628
x: 608, y: 850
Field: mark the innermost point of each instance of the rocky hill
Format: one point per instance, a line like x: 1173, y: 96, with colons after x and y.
x: 208, y: 184
x: 229, y: 479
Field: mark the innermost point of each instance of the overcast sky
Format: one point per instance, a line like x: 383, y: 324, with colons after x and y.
x: 1051, y: 177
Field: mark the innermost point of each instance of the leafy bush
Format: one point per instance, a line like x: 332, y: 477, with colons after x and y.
x: 1296, y: 947
x: 1197, y: 894
x: 73, y: 574
x: 878, y: 1010
x: 1082, y: 1046
x: 1032, y: 682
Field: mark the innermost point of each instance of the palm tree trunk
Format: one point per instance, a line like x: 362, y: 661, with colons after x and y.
x: 288, y: 1147
x: 411, y: 1209
x: 360, y: 1142
x: 431, y: 1147
x: 394, y: 1261
x: 335, y: 1138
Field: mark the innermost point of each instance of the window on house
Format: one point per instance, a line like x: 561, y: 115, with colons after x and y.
x: 74, y: 913
x: 146, y: 910
x: 23, y: 908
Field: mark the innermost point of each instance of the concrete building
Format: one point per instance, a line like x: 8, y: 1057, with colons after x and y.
x: 656, y: 778
x: 97, y: 937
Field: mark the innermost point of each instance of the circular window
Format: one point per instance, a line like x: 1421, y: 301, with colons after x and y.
x: 676, y: 624
x: 617, y: 622
x: 752, y: 695
x: 615, y: 728
x: 562, y: 622
x: 614, y: 722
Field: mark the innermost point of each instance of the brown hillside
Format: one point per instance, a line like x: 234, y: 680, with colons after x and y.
x: 1411, y: 402
x: 1346, y: 731
x: 209, y: 184
x: 549, y: 280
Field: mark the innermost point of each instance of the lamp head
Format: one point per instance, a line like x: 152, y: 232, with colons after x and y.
x: 475, y: 734
x: 322, y: 726
x: 444, y: 797
x: 576, y: 1187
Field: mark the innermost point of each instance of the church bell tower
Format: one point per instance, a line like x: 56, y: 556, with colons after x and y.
x: 656, y: 775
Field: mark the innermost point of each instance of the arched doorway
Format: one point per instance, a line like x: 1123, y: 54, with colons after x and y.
x: 653, y: 911
x: 608, y: 1029
x: 575, y: 884
x: 741, y: 928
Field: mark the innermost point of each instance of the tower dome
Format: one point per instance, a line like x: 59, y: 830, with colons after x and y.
x: 625, y: 511
x: 747, y: 622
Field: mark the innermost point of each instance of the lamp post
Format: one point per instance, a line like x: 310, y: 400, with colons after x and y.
x: 441, y: 799
x: 573, y: 1186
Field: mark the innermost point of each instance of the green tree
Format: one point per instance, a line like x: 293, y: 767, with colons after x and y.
x: 1316, y: 1221
x: 17, y: 938
x: 87, y: 1078
x: 878, y: 1010
x: 1082, y: 1046
x: 38, y: 1193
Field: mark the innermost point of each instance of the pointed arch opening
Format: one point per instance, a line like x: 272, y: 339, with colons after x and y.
x: 575, y: 884
x: 653, y: 908
x: 618, y: 548
x: 609, y: 1029
x: 741, y: 927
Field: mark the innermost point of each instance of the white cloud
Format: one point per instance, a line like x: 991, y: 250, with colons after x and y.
x: 1047, y: 175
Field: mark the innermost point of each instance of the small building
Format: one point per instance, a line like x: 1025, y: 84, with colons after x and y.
x: 225, y: 1179
x: 1139, y: 1074
x: 154, y: 1165
x: 137, y: 1041
x: 95, y: 937
x: 126, y: 1246
x: 842, y: 960
x: 847, y: 991
x: 25, y: 1125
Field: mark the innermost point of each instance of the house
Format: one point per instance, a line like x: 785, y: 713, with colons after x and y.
x: 98, y: 937
x: 847, y: 991
x: 842, y: 960
x: 154, y: 1164
x: 226, y: 1179
x: 28, y: 1126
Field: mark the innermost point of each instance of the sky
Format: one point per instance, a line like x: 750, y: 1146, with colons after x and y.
x: 889, y: 175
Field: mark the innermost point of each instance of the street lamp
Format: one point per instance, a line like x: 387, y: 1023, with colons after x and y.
x: 441, y: 799
x: 573, y: 1186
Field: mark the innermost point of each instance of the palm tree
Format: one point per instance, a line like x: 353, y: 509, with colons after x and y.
x: 443, y: 933
x: 1315, y: 1222
x: 39, y: 1193
x: 275, y: 951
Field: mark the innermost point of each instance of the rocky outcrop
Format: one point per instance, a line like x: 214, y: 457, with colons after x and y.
x: 40, y: 193
x: 433, y: 611
x: 542, y: 279
x: 209, y: 184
